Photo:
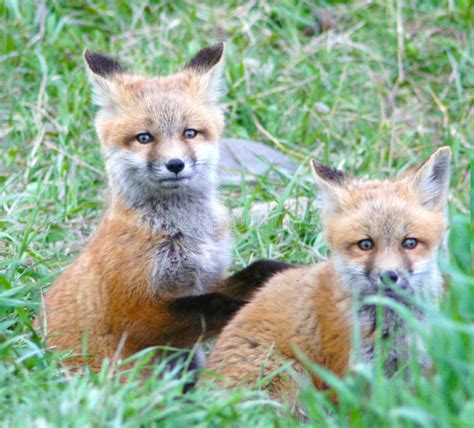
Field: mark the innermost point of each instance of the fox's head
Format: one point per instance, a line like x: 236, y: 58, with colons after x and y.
x: 385, y: 235
x: 159, y: 134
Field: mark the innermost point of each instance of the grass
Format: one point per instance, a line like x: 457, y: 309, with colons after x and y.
x: 376, y: 92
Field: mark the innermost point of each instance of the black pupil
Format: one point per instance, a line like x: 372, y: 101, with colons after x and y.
x: 190, y: 133
x: 365, y: 244
x: 144, y: 138
x: 410, y: 243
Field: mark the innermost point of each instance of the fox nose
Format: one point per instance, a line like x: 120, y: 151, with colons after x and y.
x: 175, y: 165
x: 389, y: 277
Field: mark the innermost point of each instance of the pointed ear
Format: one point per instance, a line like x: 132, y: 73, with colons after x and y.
x: 102, y: 65
x: 330, y: 183
x: 101, y: 69
x: 207, y: 67
x: 431, y: 179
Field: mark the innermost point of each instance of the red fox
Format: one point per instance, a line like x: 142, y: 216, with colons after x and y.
x: 384, y: 238
x: 165, y: 234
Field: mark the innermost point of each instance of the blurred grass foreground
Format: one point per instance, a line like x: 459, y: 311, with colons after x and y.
x: 371, y: 87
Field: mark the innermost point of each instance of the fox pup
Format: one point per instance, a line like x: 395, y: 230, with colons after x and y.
x: 384, y: 237
x: 165, y: 234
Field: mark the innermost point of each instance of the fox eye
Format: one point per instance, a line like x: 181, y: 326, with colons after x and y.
x: 409, y: 243
x: 190, y: 133
x: 366, y: 244
x: 144, y: 138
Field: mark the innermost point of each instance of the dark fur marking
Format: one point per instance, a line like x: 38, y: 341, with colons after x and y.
x: 177, y: 235
x: 257, y: 273
x: 328, y: 173
x: 369, y: 265
x: 101, y: 64
x: 207, y: 58
x: 252, y: 344
x: 407, y: 263
x: 214, y: 305
x: 218, y: 305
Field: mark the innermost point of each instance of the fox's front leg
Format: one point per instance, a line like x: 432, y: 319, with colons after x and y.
x: 231, y: 294
x: 242, y: 284
x: 214, y: 310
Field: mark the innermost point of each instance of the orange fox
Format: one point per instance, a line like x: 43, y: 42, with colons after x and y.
x: 384, y: 238
x: 165, y: 234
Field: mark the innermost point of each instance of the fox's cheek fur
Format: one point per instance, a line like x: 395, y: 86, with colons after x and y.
x: 138, y: 179
x: 353, y: 273
x: 426, y: 279
x: 423, y: 279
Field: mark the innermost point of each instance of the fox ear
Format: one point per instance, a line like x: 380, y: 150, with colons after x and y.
x: 431, y: 179
x: 100, y: 69
x: 207, y: 67
x: 330, y: 183
x: 102, y: 65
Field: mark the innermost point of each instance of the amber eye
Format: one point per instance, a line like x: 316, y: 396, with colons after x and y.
x: 190, y: 133
x: 144, y: 138
x: 366, y: 244
x: 409, y: 243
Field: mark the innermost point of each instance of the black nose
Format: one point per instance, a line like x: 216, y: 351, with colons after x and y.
x: 389, y: 277
x: 175, y: 165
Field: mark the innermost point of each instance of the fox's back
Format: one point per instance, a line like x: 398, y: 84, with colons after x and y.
x: 301, y: 309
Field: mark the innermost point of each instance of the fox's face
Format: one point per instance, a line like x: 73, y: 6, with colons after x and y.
x: 385, y: 235
x: 159, y: 135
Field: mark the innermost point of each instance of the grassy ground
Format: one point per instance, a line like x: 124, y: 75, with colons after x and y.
x: 370, y: 86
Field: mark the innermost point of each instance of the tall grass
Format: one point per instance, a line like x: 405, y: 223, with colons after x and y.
x: 372, y: 87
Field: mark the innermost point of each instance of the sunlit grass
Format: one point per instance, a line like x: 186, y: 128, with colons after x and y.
x: 367, y: 95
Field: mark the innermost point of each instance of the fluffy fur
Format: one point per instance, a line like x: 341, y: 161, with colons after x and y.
x: 165, y: 235
x: 310, y: 309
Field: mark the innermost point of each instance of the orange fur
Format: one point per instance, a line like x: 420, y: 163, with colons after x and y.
x: 108, y: 297
x: 308, y: 309
x: 302, y: 308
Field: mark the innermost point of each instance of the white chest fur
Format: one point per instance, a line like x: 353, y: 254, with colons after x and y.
x: 195, y: 253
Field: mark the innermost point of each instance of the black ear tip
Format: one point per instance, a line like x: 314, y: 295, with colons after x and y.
x: 315, y: 165
x: 328, y: 173
x: 102, y: 64
x: 319, y: 168
x: 90, y: 55
x: 91, y: 58
x: 218, y: 47
x: 207, y: 57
